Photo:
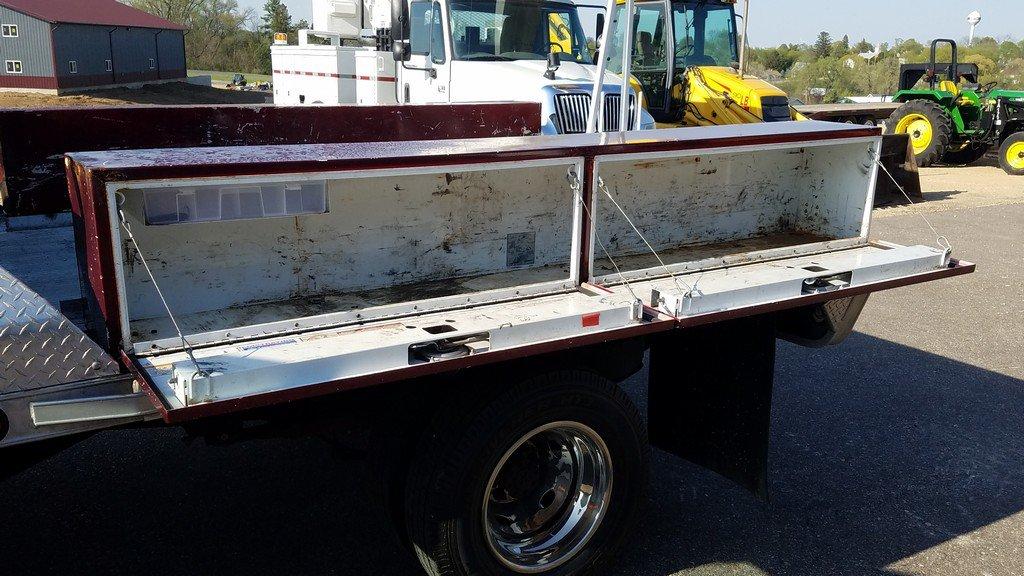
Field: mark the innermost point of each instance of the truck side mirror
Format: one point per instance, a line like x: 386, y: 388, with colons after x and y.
x: 600, y: 29
x: 554, y: 61
x: 400, y: 30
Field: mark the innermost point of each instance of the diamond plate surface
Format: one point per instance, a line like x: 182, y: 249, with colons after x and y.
x: 39, y: 346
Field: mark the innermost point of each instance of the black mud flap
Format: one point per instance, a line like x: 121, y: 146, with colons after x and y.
x: 710, y: 397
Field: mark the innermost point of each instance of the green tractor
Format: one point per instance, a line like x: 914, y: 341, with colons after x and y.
x: 957, y: 124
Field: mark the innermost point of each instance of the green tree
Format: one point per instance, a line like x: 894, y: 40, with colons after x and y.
x: 863, y: 46
x: 275, y: 18
x: 1013, y: 75
x: 1009, y: 51
x: 877, y: 77
x: 216, y: 29
x: 841, y: 47
x: 988, y: 71
x: 985, y: 46
x: 911, y: 50
x: 828, y: 74
x: 823, y: 46
x: 180, y: 11
x: 778, y: 59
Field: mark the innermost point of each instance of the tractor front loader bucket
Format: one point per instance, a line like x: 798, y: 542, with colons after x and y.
x: 897, y: 158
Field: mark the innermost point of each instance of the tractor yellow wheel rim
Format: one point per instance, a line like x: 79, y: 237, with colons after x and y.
x: 1015, y: 156
x: 919, y: 128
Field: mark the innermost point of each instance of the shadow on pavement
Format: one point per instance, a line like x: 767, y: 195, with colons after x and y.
x: 879, y: 451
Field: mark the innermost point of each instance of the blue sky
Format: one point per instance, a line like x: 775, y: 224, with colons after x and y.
x: 792, y: 21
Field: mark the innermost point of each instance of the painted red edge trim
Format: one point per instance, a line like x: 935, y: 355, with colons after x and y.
x: 146, y: 384
x: 335, y: 75
x: 956, y: 268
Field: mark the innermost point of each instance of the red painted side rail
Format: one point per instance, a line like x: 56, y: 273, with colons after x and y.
x: 33, y: 141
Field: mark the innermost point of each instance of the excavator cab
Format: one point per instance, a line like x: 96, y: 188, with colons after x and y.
x: 674, y: 39
x: 650, y: 63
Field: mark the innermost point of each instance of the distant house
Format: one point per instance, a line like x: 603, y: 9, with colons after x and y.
x: 57, y: 46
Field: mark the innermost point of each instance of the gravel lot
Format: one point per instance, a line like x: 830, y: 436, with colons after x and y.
x: 899, y: 452
x: 174, y: 93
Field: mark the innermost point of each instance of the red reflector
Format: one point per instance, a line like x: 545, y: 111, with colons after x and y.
x: 591, y: 319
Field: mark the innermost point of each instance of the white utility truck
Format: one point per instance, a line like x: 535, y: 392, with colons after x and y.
x: 448, y: 51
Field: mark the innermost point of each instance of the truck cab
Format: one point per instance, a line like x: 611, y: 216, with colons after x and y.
x: 453, y: 51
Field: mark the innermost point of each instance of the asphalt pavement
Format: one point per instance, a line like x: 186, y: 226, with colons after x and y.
x: 900, y: 451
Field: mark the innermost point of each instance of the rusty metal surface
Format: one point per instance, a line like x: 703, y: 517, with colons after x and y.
x: 32, y: 142
x: 265, y: 159
x: 39, y: 346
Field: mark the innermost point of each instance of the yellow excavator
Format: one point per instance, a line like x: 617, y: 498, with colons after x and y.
x: 686, y: 60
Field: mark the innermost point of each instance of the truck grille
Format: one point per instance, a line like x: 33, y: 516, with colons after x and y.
x: 571, y: 111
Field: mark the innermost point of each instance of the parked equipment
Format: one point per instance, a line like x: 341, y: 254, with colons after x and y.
x: 450, y: 51
x: 957, y: 120
x: 685, y: 57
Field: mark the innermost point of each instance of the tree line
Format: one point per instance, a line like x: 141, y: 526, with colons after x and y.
x: 222, y: 36
x: 832, y: 69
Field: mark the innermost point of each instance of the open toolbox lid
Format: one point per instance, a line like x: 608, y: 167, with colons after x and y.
x: 268, y: 371
x: 509, y: 247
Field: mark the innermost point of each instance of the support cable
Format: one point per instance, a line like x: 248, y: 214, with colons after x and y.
x: 131, y: 237
x: 940, y: 239
x: 577, y: 190
x: 690, y: 290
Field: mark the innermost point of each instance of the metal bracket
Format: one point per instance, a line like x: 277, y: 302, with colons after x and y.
x: 91, y: 409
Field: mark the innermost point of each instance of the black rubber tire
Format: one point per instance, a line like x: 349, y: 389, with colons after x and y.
x: 387, y: 463
x: 392, y: 444
x: 942, y: 128
x: 967, y: 155
x: 1004, y: 149
x: 449, y: 474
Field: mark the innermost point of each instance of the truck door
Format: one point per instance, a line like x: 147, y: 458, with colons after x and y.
x: 425, y: 77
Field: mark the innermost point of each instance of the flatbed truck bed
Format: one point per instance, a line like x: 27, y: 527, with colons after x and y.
x: 486, y: 295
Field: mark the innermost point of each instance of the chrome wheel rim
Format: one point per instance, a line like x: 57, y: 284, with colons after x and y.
x: 547, y: 496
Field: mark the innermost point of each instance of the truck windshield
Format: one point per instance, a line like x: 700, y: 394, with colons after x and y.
x: 705, y: 34
x: 517, y: 30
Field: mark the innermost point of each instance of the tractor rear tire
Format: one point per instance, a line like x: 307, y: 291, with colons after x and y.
x: 929, y: 126
x: 965, y: 156
x: 1011, y: 154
